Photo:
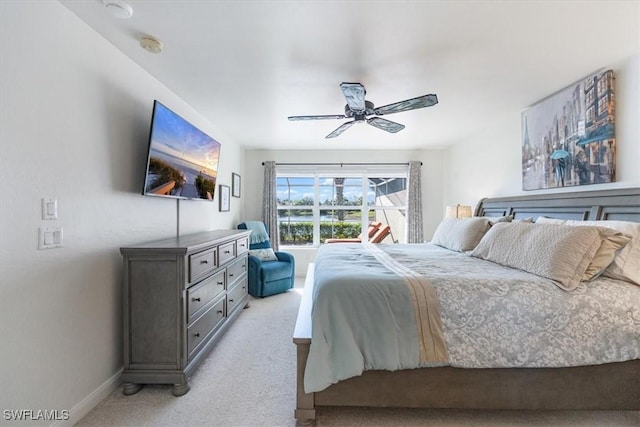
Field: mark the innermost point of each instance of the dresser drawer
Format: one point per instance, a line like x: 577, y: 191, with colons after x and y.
x: 197, y: 332
x: 199, y: 295
x: 236, y: 271
x: 235, y: 295
x: 201, y: 263
x: 242, y: 246
x: 227, y: 252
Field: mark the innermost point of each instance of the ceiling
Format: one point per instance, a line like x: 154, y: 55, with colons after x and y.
x: 247, y: 65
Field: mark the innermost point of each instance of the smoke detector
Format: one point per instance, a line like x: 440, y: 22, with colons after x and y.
x: 118, y: 8
x: 151, y: 44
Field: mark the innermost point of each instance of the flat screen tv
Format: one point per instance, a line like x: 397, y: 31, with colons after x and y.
x: 182, y: 161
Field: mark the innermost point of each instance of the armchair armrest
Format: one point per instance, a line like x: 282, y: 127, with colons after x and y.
x: 285, y: 257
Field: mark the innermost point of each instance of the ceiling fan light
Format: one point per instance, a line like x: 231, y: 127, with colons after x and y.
x: 151, y: 44
x: 118, y: 8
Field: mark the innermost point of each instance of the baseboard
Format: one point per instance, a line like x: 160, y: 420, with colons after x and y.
x: 85, y: 406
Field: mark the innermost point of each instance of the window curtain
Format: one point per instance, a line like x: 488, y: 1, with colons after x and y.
x: 270, y: 203
x: 414, y: 204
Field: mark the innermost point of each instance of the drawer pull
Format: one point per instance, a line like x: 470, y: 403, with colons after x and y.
x: 227, y: 252
x: 230, y: 300
x: 195, y: 299
x: 197, y: 335
x: 219, y: 311
x: 220, y: 283
x: 204, y: 261
x: 242, y: 244
x: 230, y: 274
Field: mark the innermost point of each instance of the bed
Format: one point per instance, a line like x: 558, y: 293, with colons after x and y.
x: 438, y: 383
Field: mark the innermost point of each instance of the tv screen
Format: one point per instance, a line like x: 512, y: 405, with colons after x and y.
x: 182, y: 161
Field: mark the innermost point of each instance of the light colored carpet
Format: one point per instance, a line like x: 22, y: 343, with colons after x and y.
x: 249, y: 380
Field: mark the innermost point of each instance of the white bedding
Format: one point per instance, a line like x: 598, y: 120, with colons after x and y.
x: 492, y: 316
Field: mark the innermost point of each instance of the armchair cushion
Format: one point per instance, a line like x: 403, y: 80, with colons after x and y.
x: 275, y: 270
x: 266, y: 254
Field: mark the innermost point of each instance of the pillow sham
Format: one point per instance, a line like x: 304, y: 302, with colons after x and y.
x: 264, y: 254
x: 558, y: 252
x: 460, y: 234
x: 613, y: 251
x: 626, y: 262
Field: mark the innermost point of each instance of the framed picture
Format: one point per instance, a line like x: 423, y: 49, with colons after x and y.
x: 235, y: 185
x: 224, y: 198
x: 568, y: 138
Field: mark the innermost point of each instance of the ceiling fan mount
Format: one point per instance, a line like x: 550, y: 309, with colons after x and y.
x: 359, y: 109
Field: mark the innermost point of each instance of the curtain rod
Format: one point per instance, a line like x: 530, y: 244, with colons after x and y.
x: 341, y: 164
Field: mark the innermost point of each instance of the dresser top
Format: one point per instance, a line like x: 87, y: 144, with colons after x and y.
x: 187, y: 243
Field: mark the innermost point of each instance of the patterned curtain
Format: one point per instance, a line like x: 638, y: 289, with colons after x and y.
x: 414, y: 204
x: 270, y: 203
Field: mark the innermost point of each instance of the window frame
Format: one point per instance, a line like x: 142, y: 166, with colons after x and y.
x: 394, y: 171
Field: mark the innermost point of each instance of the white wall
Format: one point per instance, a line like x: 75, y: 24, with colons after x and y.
x: 432, y: 185
x: 489, y: 165
x: 75, y: 118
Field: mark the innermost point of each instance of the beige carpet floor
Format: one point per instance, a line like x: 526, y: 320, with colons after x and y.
x: 249, y: 380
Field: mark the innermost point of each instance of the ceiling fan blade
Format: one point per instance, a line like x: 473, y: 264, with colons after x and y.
x: 409, y: 104
x: 385, y: 124
x: 341, y: 129
x: 354, y: 94
x: 335, y: 116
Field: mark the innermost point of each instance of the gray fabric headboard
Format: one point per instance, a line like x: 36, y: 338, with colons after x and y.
x: 616, y: 204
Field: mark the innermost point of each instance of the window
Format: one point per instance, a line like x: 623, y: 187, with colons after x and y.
x: 315, y: 206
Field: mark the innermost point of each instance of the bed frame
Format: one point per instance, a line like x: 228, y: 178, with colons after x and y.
x: 609, y: 386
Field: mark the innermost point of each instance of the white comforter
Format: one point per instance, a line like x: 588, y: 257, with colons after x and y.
x: 492, y: 316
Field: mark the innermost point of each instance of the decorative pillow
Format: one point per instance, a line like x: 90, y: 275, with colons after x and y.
x: 561, y: 253
x: 545, y: 220
x: 460, y: 234
x: 496, y: 219
x: 527, y: 219
x: 264, y: 254
x: 626, y: 263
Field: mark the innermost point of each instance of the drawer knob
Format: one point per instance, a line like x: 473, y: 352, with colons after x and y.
x: 195, y: 299
x: 230, y: 274
x: 230, y: 300
x: 227, y: 252
x: 204, y: 261
x: 197, y: 335
x: 220, y: 283
x: 219, y: 311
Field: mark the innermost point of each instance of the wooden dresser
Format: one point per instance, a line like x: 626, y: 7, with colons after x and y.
x: 180, y: 295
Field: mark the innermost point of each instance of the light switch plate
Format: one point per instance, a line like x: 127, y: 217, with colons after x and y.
x: 49, y: 208
x: 50, y: 237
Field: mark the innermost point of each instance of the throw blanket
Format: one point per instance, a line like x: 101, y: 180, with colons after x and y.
x: 258, y: 232
x: 491, y: 316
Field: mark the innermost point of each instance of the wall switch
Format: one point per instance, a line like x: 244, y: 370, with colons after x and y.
x: 50, y: 237
x: 49, y: 208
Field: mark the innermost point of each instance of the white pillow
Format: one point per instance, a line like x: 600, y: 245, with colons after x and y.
x: 496, y: 219
x: 626, y: 263
x: 561, y: 253
x: 264, y: 254
x: 460, y: 234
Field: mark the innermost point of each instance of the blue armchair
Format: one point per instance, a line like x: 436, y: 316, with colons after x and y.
x: 267, y: 277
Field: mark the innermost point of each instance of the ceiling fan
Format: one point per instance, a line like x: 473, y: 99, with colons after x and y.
x: 358, y: 108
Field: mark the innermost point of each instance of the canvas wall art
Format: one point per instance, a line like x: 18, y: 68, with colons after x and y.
x: 568, y: 138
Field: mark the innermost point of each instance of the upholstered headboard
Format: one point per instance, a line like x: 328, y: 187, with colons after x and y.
x: 615, y: 204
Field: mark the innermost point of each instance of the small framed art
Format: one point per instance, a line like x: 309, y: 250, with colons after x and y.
x: 225, y: 203
x: 235, y: 185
